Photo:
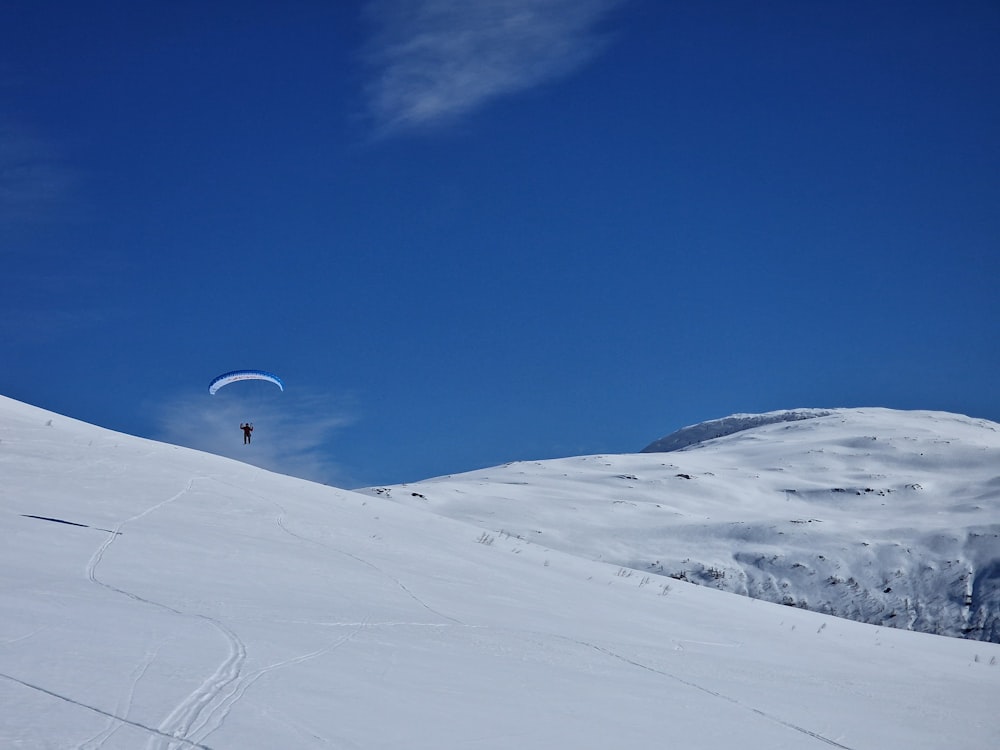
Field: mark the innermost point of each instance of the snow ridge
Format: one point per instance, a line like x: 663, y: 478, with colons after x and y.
x: 696, y: 434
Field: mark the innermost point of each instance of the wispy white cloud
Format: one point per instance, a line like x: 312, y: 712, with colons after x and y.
x: 435, y: 60
x: 292, y: 431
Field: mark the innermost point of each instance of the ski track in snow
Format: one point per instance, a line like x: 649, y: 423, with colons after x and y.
x: 204, y: 701
x: 101, y: 711
x: 119, y: 717
x: 122, y: 708
x: 713, y: 693
x: 205, y: 710
x: 214, y: 720
x: 400, y: 584
x: 207, y: 698
x: 24, y: 637
x: 280, y: 521
x: 96, y: 558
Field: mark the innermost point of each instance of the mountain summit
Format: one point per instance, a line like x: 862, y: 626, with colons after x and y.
x: 716, y: 428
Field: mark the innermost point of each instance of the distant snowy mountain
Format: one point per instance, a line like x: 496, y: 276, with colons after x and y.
x: 886, y: 517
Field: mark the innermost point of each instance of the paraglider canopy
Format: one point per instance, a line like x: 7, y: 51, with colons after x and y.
x: 231, y: 377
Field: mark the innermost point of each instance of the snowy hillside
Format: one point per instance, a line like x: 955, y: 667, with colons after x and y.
x: 882, y: 516
x: 158, y: 598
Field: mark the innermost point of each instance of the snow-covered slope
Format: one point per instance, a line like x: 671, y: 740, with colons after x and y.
x: 154, y: 597
x: 883, y: 516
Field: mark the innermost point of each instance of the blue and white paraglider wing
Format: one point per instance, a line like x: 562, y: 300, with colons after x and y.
x: 231, y: 377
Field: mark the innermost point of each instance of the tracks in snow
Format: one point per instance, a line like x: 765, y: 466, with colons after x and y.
x: 281, y: 524
x: 197, y: 707
x: 695, y: 686
x: 202, y: 703
x: 213, y: 715
x: 98, y: 556
x: 280, y: 521
x: 122, y: 708
x: 205, y: 709
x: 102, y: 712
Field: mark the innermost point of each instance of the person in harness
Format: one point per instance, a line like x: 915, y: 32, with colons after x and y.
x: 247, y: 428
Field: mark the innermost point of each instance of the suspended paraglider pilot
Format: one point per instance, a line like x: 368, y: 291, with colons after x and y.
x: 247, y: 428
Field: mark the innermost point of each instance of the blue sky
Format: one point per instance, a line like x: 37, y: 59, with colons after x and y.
x: 470, y: 233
